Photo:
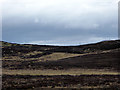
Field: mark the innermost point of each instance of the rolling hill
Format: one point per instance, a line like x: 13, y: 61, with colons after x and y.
x: 98, y: 62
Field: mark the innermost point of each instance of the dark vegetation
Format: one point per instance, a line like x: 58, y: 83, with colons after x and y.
x: 13, y: 49
x: 104, y: 82
x: 110, y: 60
x: 98, y: 60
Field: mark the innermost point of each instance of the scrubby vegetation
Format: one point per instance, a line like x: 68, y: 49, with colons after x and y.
x: 86, y: 82
x: 27, y: 57
x: 9, y: 48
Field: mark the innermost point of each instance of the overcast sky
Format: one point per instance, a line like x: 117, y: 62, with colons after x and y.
x: 59, y: 22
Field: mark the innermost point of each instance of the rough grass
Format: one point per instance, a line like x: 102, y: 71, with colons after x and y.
x: 65, y: 82
x: 57, y: 56
x: 76, y: 71
x: 104, y: 60
x: 40, y: 66
x: 40, y: 57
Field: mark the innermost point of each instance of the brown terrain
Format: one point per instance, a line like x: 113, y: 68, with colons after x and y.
x: 36, y: 67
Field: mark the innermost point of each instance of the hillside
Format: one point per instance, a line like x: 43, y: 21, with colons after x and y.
x: 25, y: 48
x: 66, y: 54
x: 59, y: 66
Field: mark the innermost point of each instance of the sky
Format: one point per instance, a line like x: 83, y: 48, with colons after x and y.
x: 59, y: 22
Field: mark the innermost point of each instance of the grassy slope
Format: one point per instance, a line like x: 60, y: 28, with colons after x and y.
x: 104, y: 55
x: 93, y: 66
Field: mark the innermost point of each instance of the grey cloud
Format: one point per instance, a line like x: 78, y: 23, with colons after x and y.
x: 29, y: 21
